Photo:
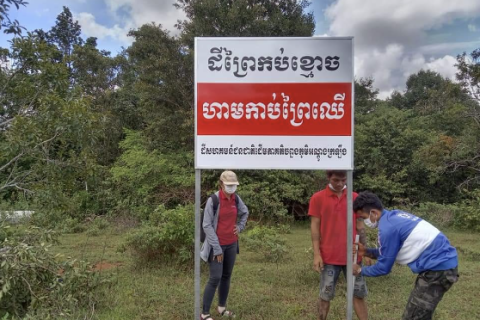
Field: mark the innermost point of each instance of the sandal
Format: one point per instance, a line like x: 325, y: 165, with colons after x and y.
x: 227, y: 313
x: 207, y: 317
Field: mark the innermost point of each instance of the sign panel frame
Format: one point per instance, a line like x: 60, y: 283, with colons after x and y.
x: 317, y: 152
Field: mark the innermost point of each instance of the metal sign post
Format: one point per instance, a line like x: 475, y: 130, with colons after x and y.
x: 349, y: 277
x: 197, y: 242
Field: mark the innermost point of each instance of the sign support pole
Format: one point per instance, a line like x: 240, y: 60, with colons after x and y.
x: 349, y: 276
x: 197, y: 242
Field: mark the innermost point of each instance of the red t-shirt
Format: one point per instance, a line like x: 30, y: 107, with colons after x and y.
x: 227, y: 219
x: 332, y: 212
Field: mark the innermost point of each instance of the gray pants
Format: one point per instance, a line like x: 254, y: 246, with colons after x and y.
x: 220, y: 274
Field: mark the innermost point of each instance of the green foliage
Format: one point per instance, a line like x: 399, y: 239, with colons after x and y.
x: 267, y: 242
x: 468, y: 216
x: 278, y: 196
x: 34, y: 284
x: 142, y: 179
x: 66, y: 33
x: 68, y: 225
x: 9, y: 26
x: 97, y: 226
x: 168, y: 236
x: 246, y: 18
x: 442, y: 216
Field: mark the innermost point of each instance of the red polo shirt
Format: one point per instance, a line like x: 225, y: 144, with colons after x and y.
x: 332, y: 212
x: 227, y: 219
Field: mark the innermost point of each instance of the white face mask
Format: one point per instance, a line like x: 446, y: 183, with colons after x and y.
x: 230, y: 189
x: 331, y: 187
x: 369, y: 222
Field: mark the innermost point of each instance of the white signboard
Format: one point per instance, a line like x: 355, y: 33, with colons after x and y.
x: 274, y: 103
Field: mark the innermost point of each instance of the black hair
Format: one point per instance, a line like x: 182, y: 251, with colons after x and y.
x: 367, y: 201
x: 339, y: 173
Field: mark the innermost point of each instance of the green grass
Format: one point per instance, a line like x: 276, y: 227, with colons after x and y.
x: 261, y: 290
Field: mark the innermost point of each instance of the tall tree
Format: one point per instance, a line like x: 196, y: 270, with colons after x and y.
x: 245, y: 18
x: 468, y: 152
x: 66, y: 32
x: 47, y: 129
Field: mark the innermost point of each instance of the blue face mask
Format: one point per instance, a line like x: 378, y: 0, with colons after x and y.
x: 369, y: 222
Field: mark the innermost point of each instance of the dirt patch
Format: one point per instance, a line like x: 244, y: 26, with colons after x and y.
x: 101, y: 266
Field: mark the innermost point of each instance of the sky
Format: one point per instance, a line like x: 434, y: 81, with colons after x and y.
x: 393, y: 39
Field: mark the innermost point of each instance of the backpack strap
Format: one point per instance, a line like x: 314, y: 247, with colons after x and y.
x: 214, y: 203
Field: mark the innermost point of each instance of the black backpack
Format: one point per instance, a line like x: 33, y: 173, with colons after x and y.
x: 215, y: 207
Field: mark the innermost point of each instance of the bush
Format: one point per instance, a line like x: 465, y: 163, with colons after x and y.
x: 33, y: 284
x: 169, y: 234
x: 267, y: 242
x: 97, y: 226
x: 70, y: 225
x: 468, y: 215
x: 143, y: 178
x: 464, y: 215
x: 440, y: 215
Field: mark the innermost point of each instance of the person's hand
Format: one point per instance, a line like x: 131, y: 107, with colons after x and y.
x: 219, y: 258
x: 361, y: 249
x: 236, y: 230
x: 317, y: 263
x: 368, y: 261
x: 356, y: 269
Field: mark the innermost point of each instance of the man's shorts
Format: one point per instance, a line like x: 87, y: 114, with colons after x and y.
x: 328, y: 281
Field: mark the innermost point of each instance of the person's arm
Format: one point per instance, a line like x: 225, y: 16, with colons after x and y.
x: 390, y: 245
x: 242, y: 215
x: 361, y: 231
x: 372, y: 253
x: 208, y: 227
x: 316, y: 238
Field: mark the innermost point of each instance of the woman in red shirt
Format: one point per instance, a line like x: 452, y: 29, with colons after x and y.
x: 220, y: 248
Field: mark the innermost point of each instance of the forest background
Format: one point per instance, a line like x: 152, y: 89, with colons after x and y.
x: 91, y: 141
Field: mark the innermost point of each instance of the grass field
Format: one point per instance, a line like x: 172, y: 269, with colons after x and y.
x: 260, y: 291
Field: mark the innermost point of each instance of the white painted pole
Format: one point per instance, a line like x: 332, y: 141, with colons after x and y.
x: 197, y: 243
x: 349, y: 244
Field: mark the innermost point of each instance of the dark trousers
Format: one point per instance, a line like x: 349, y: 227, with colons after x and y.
x: 220, y: 274
x: 430, y: 287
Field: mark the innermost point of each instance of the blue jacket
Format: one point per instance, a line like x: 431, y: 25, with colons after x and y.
x: 408, y: 239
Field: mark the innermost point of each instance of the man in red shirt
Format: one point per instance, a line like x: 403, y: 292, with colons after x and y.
x: 327, y: 211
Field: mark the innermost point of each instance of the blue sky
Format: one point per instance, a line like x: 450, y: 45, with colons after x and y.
x: 393, y: 39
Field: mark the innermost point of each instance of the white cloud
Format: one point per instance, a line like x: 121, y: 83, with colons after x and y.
x: 390, y: 36
x: 139, y: 12
x: 130, y: 14
x: 445, y: 66
x: 472, y: 27
x: 93, y: 29
x: 440, y: 48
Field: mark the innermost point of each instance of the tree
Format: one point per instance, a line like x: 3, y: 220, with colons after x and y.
x: 245, y: 18
x: 468, y: 151
x: 9, y: 26
x: 47, y: 128
x: 469, y: 76
x: 65, y: 33
x: 365, y: 96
